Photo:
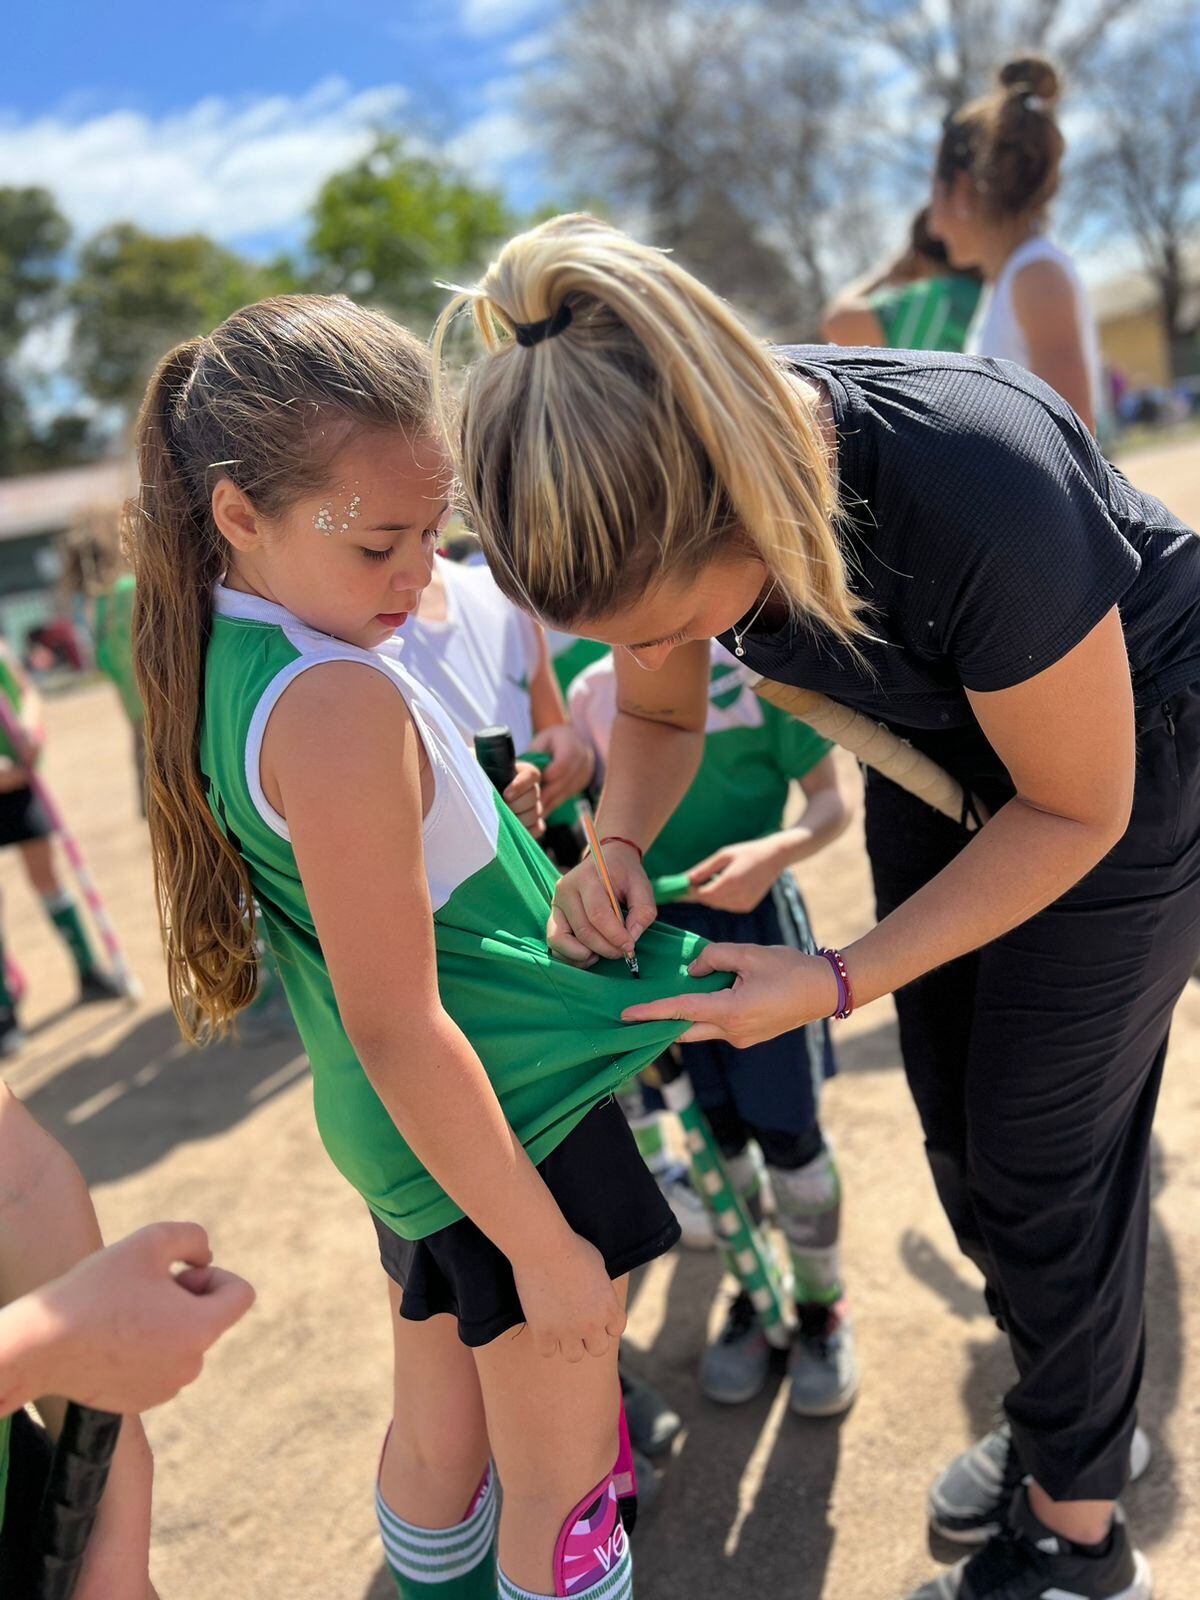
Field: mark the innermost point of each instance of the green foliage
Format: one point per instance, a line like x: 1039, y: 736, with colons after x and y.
x: 33, y: 236
x: 387, y: 227
x: 135, y: 294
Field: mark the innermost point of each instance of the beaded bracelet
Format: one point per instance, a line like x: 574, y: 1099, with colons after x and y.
x: 845, y: 999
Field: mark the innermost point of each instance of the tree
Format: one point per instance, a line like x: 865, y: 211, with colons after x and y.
x: 33, y: 238
x: 386, y: 228
x: 718, y: 124
x: 135, y: 294
x: 1141, y: 170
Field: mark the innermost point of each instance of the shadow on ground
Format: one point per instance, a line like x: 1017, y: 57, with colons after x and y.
x: 121, y: 1109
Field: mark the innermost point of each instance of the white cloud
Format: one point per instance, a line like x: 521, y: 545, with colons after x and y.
x: 491, y: 143
x: 498, y: 16
x: 228, y: 168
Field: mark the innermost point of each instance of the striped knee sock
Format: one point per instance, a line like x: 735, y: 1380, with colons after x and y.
x: 617, y: 1584
x: 457, y: 1563
x: 809, y: 1202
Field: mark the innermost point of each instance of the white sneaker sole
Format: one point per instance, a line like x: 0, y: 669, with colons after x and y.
x: 1140, y: 1453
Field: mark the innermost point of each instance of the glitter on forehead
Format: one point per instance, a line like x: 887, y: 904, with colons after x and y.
x: 352, y: 510
x: 323, y: 521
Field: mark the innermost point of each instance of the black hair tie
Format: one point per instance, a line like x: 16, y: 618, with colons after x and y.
x: 531, y: 333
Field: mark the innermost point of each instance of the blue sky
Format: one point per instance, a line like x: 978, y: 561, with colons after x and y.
x: 226, y: 117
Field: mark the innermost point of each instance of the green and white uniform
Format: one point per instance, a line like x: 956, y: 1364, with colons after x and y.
x: 930, y: 314
x: 752, y: 751
x: 570, y: 655
x: 112, y: 628
x: 549, y: 1035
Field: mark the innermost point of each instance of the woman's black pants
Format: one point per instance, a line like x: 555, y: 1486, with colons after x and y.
x: 1035, y: 1065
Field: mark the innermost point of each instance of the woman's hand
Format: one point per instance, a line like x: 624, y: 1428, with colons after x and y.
x: 569, y: 1301
x: 572, y: 765
x: 777, y: 989
x: 583, y: 926
x: 524, y: 798
x: 739, y: 877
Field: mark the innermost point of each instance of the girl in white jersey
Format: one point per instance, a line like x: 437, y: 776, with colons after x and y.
x: 997, y: 171
x: 293, y: 483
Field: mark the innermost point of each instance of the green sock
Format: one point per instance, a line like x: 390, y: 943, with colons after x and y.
x: 456, y: 1563
x: 650, y: 1140
x: 64, y: 914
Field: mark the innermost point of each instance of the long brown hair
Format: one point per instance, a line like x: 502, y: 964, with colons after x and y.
x: 267, y: 400
x: 1009, y: 141
x: 645, y: 438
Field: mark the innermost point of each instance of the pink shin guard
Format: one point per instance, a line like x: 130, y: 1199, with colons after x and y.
x: 593, y: 1539
x: 591, y: 1543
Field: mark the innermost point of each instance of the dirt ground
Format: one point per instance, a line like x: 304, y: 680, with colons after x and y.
x: 265, y: 1467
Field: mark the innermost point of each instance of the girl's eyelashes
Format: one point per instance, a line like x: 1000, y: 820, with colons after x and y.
x: 376, y: 555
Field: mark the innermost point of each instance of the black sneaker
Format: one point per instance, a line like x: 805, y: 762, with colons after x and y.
x: 11, y: 1037
x: 970, y: 1498
x: 651, y: 1420
x: 1028, y: 1561
x: 96, y: 987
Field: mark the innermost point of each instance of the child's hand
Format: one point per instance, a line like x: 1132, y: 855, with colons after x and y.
x: 524, y: 798
x: 570, y: 771
x: 121, y: 1332
x: 569, y: 1301
x: 737, y: 878
x: 583, y: 925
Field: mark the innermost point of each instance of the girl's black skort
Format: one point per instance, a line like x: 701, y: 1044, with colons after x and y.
x: 22, y: 817
x: 604, y: 1191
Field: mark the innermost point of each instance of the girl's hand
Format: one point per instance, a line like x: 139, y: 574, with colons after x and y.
x: 571, y: 769
x: 524, y: 798
x: 582, y: 925
x: 569, y: 1301
x: 777, y: 989
x: 739, y: 877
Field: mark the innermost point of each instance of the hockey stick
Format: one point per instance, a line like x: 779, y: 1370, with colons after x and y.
x: 878, y: 747
x: 71, y: 1499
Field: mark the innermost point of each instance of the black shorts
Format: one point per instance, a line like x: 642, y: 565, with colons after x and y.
x: 603, y: 1189
x: 22, y: 817
x: 29, y: 1457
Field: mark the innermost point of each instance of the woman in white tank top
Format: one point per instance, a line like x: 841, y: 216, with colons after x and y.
x: 997, y: 171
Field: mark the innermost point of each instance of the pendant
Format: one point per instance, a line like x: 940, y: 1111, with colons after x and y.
x: 738, y: 651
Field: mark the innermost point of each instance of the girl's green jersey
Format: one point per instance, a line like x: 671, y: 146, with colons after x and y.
x: 112, y: 627
x: 549, y: 1035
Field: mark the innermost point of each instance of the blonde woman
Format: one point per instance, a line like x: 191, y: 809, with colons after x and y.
x: 934, y: 540
x: 996, y: 174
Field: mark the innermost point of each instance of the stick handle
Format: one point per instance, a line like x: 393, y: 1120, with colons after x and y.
x: 71, y: 1499
x: 880, y: 748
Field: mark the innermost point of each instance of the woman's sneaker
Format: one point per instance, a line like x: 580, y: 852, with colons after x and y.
x: 970, y: 1498
x: 737, y: 1365
x: 1028, y: 1561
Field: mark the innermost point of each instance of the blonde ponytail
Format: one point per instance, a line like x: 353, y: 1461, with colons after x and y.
x: 641, y: 441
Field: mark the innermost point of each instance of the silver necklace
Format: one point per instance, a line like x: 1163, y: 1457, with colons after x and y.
x: 739, y: 635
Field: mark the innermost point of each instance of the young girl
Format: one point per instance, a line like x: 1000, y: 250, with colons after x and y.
x: 487, y: 664
x: 997, y: 171
x: 727, y: 845
x: 293, y: 484
x: 23, y: 822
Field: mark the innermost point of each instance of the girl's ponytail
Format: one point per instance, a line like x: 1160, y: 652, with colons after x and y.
x: 204, y: 898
